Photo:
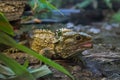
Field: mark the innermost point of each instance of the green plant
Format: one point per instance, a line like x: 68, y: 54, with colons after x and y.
x: 113, y: 18
x: 42, y: 7
x: 116, y: 17
x: 95, y: 3
x: 19, y: 70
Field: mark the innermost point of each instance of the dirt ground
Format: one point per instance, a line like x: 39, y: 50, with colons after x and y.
x: 102, y: 62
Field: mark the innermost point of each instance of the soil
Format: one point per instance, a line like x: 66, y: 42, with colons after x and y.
x: 102, y: 62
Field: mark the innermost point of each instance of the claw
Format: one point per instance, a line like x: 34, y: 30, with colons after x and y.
x: 11, y: 50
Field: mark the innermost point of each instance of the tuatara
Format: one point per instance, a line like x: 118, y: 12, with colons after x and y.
x: 62, y: 44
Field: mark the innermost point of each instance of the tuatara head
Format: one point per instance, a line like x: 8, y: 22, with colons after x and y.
x: 71, y: 43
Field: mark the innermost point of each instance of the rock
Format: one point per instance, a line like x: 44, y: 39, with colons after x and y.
x: 95, y: 30
x: 103, y: 62
x: 70, y: 25
x: 12, y: 9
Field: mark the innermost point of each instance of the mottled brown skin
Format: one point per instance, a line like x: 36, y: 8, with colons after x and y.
x: 63, y: 44
x: 69, y: 43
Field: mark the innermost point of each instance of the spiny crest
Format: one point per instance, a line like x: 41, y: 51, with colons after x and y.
x: 63, y: 30
x: 42, y: 31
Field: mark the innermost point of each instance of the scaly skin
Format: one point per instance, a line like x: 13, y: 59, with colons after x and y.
x: 64, y: 43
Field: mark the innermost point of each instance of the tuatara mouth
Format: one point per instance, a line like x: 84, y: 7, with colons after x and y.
x: 87, y: 44
x: 78, y: 48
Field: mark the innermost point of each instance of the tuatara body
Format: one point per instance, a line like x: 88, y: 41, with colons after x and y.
x: 62, y: 44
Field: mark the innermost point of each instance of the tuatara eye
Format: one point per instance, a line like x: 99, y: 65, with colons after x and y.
x: 78, y: 37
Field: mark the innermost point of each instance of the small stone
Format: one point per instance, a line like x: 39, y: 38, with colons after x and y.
x: 115, y: 25
x: 108, y: 27
x: 95, y: 30
x: 70, y: 25
x: 76, y: 68
x: 104, y: 79
x: 85, y: 52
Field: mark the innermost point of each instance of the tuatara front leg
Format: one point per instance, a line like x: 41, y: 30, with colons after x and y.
x: 14, y: 50
x: 20, y: 56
